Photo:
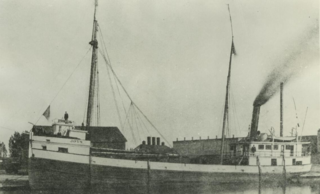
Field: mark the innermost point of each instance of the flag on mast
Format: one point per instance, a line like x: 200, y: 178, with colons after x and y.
x: 233, y: 48
x: 47, y: 113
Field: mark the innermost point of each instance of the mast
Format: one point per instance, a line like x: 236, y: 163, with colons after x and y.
x: 226, y: 106
x: 281, y: 109
x: 94, y: 60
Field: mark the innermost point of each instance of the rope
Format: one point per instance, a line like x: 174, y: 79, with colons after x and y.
x: 107, y: 62
x: 151, y: 124
x: 66, y: 81
x: 305, y: 116
x: 134, y: 137
x: 113, y: 93
x: 119, y: 94
x: 143, y: 125
x: 134, y: 115
x: 7, y: 128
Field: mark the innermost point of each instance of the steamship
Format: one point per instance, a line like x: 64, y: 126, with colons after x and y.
x: 67, y: 156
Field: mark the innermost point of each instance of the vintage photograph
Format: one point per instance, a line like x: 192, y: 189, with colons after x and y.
x: 197, y: 96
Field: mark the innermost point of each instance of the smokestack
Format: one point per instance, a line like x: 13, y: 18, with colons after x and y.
x: 143, y: 142
x: 254, y: 121
x: 281, y: 109
x: 153, y: 141
x: 158, y: 140
x: 149, y: 140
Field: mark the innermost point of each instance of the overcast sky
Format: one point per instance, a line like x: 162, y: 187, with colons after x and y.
x: 171, y: 56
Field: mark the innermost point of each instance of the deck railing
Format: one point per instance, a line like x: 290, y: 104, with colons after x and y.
x: 278, y: 154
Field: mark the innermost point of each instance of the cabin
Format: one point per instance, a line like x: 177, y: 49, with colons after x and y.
x: 107, y: 137
x: 272, y: 152
x: 100, y: 137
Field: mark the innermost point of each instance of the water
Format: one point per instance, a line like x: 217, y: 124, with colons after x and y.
x: 274, y: 188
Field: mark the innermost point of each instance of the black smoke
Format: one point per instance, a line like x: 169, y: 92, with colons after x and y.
x: 293, y: 61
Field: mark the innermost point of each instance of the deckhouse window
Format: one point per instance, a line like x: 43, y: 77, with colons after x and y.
x: 274, y: 162
x: 288, y: 147
x: 44, y: 147
x: 268, y: 147
x: 275, y: 147
x: 63, y: 150
x: 261, y: 147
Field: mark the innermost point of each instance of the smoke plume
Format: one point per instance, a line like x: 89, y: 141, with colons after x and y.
x: 293, y: 61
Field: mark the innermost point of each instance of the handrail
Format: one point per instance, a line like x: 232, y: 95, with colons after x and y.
x: 280, y: 154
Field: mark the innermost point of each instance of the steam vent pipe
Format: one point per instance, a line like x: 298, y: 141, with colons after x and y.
x: 255, y: 121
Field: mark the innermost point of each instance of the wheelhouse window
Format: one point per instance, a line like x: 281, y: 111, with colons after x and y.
x: 63, y: 150
x: 261, y: 147
x: 268, y: 147
x: 275, y: 147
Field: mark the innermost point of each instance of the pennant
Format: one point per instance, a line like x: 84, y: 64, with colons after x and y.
x: 233, y: 49
x: 47, y: 113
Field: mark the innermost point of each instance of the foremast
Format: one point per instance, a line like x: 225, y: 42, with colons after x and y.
x: 226, y: 106
x: 93, y: 71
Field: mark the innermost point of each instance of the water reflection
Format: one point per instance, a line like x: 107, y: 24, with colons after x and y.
x: 269, y: 188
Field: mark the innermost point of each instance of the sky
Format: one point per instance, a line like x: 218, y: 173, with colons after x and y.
x: 171, y: 56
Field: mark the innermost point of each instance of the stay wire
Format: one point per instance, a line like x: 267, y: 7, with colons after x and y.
x: 66, y: 81
x: 128, y: 93
x: 113, y: 93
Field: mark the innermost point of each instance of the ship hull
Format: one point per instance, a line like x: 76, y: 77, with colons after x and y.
x: 107, y: 173
x: 55, y: 174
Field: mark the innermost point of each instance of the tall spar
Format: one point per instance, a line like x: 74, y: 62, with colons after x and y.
x: 226, y: 106
x: 94, y: 60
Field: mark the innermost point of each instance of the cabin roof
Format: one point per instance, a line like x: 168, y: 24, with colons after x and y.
x: 98, y: 134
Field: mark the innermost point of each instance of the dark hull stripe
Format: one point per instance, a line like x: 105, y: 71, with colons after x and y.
x: 53, y: 174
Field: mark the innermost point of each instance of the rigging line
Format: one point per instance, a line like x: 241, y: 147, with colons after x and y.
x: 114, y: 96
x: 67, y: 80
x: 109, y: 64
x: 107, y: 60
x: 104, y: 45
x: 135, y: 121
x: 127, y: 114
x: 295, y: 108
x: 141, y: 121
x: 134, y: 138
x: 7, y: 128
x: 151, y: 123
x: 305, y: 116
x: 124, y: 108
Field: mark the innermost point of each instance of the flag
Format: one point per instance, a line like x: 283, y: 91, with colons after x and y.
x: 233, y: 49
x: 47, y: 113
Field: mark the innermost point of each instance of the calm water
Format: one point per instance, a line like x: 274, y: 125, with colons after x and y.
x: 275, y: 188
